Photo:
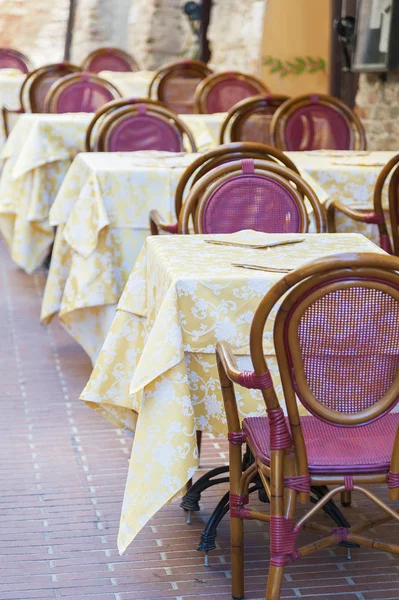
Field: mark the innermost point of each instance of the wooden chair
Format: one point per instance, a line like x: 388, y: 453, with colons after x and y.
x: 376, y: 216
x: 144, y: 126
x: 175, y: 83
x: 13, y: 59
x: 315, y: 122
x: 336, y: 335
x: 250, y: 194
x: 79, y: 92
x: 92, y: 130
x: 249, y: 120
x: 221, y: 91
x: 208, y: 161
x: 34, y: 90
x: 109, y: 59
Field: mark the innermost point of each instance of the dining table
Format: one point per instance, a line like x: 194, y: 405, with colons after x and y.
x: 156, y: 374
x: 11, y: 81
x: 134, y: 84
x: 36, y: 158
x: 101, y: 215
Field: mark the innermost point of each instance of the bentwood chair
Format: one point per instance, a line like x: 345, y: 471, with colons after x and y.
x: 377, y: 216
x: 109, y: 59
x: 250, y: 194
x: 105, y: 110
x: 208, y: 161
x: 336, y: 336
x: 249, y: 120
x: 13, y: 59
x: 221, y: 91
x: 175, y: 84
x: 144, y: 126
x: 79, y: 92
x: 317, y: 122
x: 34, y: 90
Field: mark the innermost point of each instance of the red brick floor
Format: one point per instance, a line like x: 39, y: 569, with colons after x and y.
x: 62, y: 475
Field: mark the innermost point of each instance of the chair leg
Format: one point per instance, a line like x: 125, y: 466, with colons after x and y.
x: 274, y: 581
x: 237, y: 558
x: 346, y: 498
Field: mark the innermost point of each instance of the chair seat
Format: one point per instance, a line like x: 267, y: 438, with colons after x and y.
x: 332, y: 449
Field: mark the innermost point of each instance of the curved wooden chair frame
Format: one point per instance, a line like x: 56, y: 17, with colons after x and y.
x: 208, y: 161
x: 243, y: 110
x: 24, y: 60
x: 57, y: 88
x: 196, y: 201
x: 178, y: 68
x: 376, y: 216
x: 282, y: 114
x: 107, y: 109
x: 128, y: 58
x: 208, y: 84
x: 152, y: 109
x: 286, y: 477
x: 27, y: 91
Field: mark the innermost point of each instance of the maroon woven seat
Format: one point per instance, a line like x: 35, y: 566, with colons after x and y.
x: 79, y: 92
x: 314, y: 122
x: 343, y: 450
x: 12, y: 59
x: 109, y: 59
x: 221, y: 91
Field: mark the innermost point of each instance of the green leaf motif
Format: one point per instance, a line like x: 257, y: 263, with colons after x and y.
x: 296, y: 66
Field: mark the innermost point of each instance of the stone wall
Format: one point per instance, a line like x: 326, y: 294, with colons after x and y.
x: 377, y: 104
x: 159, y: 32
x: 235, y: 34
x: 35, y: 27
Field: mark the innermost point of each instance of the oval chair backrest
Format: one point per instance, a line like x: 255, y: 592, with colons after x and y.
x: 176, y: 84
x: 83, y: 92
x: 337, y: 337
x: 221, y: 91
x: 315, y: 122
x: 249, y: 120
x: 250, y: 194
x: 41, y: 81
x: 105, y: 110
x: 109, y: 59
x: 12, y: 59
x: 221, y: 155
x: 143, y: 127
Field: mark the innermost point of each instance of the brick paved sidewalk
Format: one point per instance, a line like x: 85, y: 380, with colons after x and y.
x: 62, y: 474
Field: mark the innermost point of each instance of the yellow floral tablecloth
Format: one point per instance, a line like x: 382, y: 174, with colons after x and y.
x: 156, y: 373
x: 130, y: 85
x: 10, y: 85
x: 36, y: 158
x: 101, y: 212
x: 349, y: 177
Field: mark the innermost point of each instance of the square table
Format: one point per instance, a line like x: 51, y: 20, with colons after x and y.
x: 37, y: 156
x: 156, y: 373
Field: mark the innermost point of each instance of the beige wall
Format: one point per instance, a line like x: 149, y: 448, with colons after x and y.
x: 297, y: 28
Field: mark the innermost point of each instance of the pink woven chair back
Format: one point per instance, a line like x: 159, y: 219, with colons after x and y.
x: 251, y: 201
x: 228, y: 92
x: 12, y: 59
x: 256, y: 127
x: 83, y: 95
x: 43, y: 81
x: 349, y: 343
x: 142, y: 131
x: 317, y: 126
x: 109, y: 61
x: 178, y: 92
